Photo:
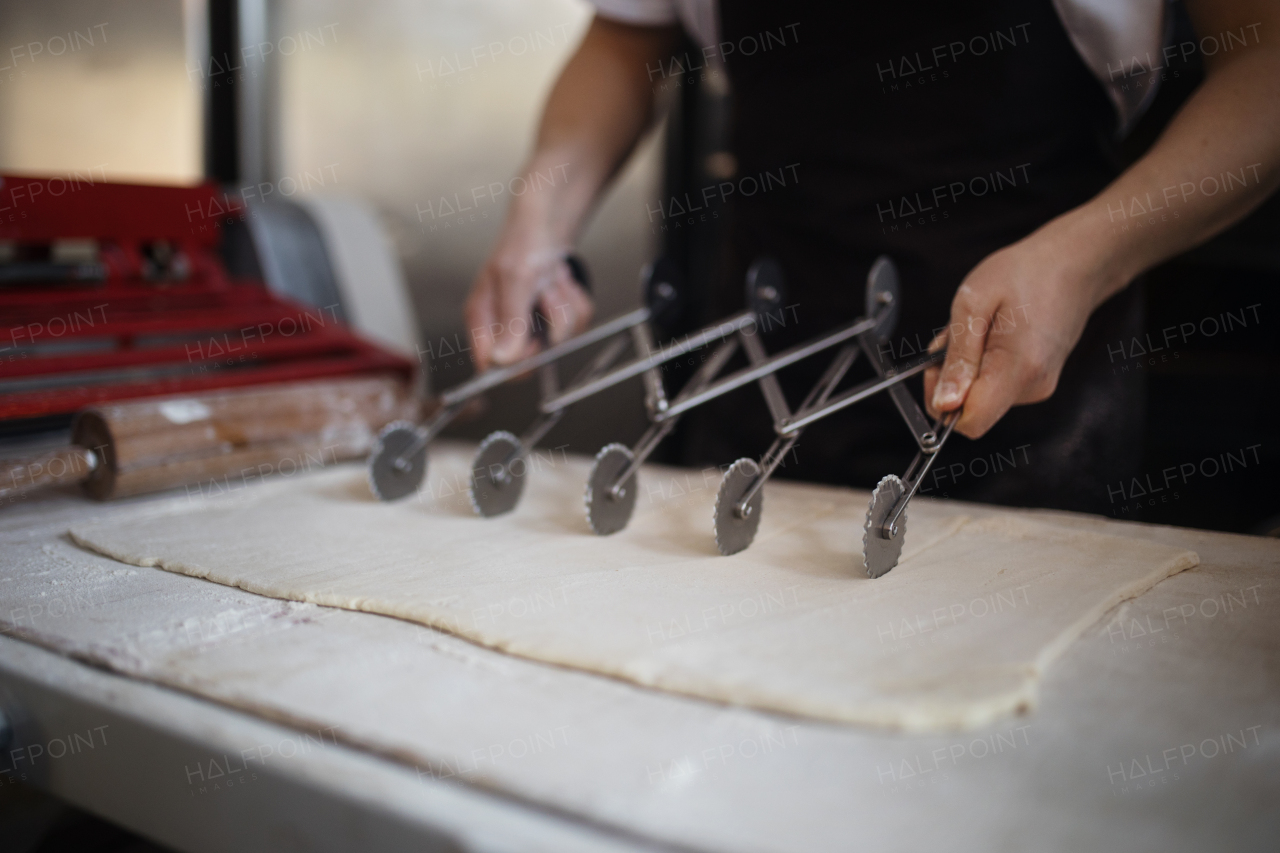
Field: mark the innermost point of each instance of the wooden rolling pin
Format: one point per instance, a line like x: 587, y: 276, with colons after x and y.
x: 152, y: 444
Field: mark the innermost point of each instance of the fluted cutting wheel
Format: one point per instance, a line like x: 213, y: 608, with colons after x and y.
x: 879, y: 554
x: 607, y: 513
x: 388, y: 481
x: 882, y: 289
x: 735, y: 532
x: 498, y: 474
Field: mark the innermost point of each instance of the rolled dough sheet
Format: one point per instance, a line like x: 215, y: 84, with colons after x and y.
x: 958, y: 634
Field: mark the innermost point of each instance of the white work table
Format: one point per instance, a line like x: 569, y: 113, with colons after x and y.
x: 209, y: 718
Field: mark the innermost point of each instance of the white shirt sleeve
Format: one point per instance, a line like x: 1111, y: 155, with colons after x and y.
x: 700, y: 18
x: 1120, y: 43
x: 651, y: 13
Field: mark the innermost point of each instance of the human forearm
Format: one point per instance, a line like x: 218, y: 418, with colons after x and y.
x: 1216, y: 161
x: 598, y: 110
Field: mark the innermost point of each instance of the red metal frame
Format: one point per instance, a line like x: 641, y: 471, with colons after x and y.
x: 65, y: 345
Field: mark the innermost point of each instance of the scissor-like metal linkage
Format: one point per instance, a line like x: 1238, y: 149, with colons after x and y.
x: 739, y: 502
x: 398, y: 464
x: 764, y: 368
x: 655, y: 359
x: 611, y: 488
x: 496, y: 483
x: 764, y: 294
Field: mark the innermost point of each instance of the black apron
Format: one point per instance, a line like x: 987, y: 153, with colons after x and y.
x: 934, y: 132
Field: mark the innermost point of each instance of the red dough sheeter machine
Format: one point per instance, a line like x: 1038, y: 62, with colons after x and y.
x: 397, y: 465
x: 118, y: 306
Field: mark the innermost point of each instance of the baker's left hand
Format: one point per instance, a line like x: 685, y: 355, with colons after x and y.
x: 1014, y: 319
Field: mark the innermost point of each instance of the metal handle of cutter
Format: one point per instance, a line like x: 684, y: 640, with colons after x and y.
x: 915, y: 472
x: 764, y: 293
x: 858, y: 393
x: 881, y: 313
x: 496, y: 376
x: 769, y: 366
x: 654, y: 359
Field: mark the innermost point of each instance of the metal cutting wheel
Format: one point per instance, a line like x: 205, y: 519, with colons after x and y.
x: 609, y: 506
x: 393, y: 475
x: 498, y: 474
x: 882, y: 290
x: 880, y: 552
x: 735, y: 530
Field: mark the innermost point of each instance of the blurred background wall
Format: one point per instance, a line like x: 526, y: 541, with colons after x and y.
x: 99, y: 85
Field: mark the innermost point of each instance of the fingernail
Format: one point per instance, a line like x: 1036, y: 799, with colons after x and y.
x: 945, y: 394
x: 505, y: 349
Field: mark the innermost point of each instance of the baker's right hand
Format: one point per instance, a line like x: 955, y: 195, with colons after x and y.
x: 525, y: 274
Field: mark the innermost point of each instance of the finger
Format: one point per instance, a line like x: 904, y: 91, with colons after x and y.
x: 515, y: 300
x: 931, y: 375
x: 966, y: 339
x: 584, y: 307
x: 931, y: 383
x: 480, y: 318
x: 567, y: 307
x: 992, y: 394
x: 556, y: 313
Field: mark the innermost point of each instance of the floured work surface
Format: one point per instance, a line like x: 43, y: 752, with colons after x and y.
x: 791, y: 624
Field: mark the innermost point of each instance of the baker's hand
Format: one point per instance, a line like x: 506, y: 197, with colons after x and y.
x: 1014, y: 319
x: 525, y: 273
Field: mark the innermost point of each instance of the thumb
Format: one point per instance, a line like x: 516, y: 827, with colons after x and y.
x: 479, y: 316
x: 967, y: 336
x: 931, y: 374
x: 514, y: 306
x: 566, y: 307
